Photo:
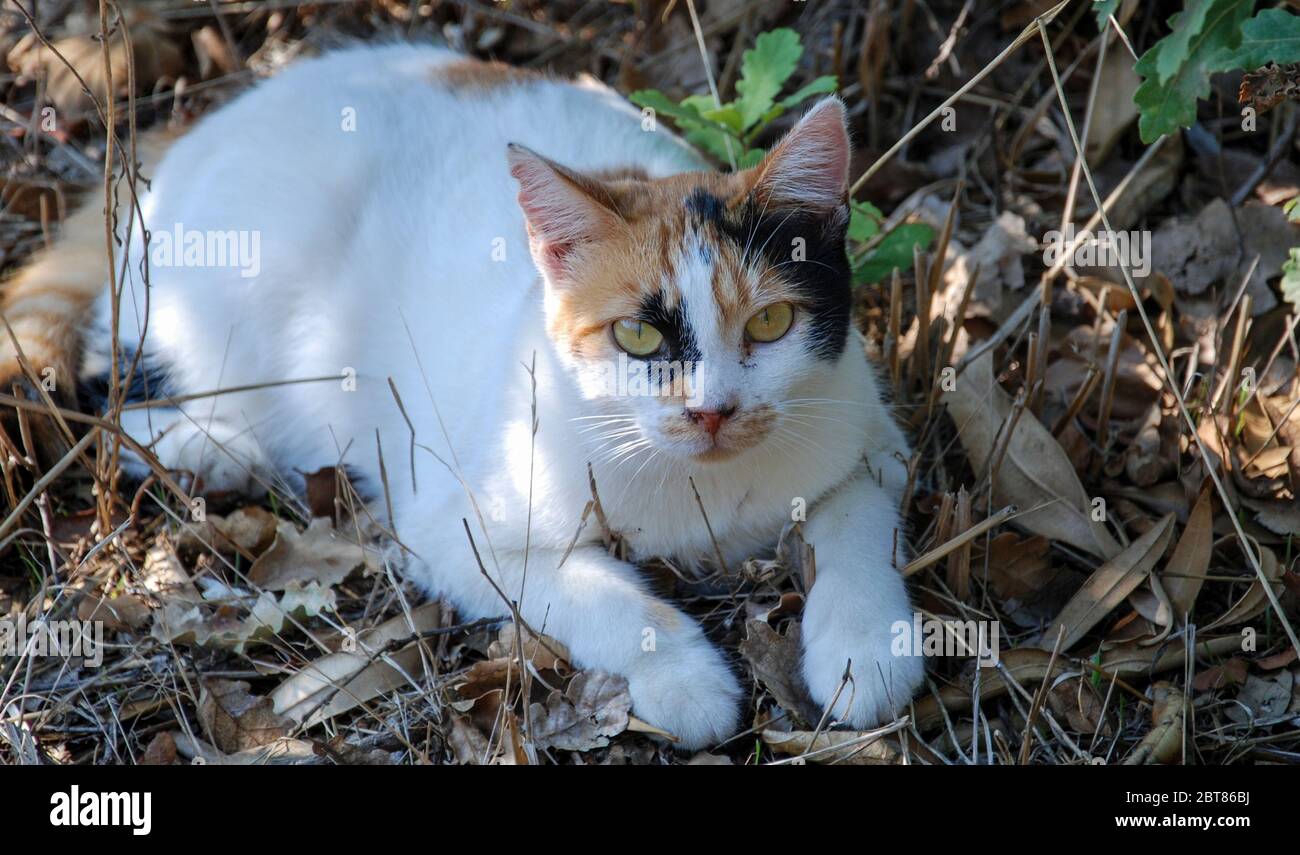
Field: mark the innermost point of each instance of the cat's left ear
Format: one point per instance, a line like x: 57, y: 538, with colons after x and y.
x: 809, y: 167
x: 563, y: 210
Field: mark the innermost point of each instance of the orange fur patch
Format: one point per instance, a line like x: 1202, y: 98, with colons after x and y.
x: 46, y: 302
x: 472, y: 75
x: 617, y: 274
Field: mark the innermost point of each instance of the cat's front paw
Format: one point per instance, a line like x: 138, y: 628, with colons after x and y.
x: 688, y: 691
x: 882, y: 683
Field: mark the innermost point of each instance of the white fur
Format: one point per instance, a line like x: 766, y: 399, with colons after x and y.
x: 377, y: 256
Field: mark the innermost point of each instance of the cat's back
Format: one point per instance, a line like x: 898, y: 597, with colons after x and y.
x: 374, y: 178
x: 386, y: 165
x: 425, y: 119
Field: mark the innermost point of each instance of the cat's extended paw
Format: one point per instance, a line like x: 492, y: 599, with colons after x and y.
x: 214, y: 456
x: 690, y: 692
x: 882, y: 683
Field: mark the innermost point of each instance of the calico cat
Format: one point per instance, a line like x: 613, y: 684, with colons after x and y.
x: 549, y: 281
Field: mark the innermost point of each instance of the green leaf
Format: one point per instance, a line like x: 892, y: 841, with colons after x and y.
x: 1292, y: 210
x: 713, y: 141
x: 1291, y: 278
x: 751, y: 158
x: 1176, y: 46
x: 728, y: 116
x: 662, y: 104
x: 1167, y: 106
x: 1271, y: 36
x: 764, y: 70
x: 1104, y: 9
x: 703, y: 131
x: 894, y: 251
x: 864, y: 221
x: 823, y: 85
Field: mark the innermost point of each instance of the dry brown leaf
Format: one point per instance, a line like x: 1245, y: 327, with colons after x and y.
x: 318, y: 554
x: 340, y: 681
x: 1114, y: 109
x: 1137, y: 385
x: 1218, y: 245
x: 251, y: 529
x: 1164, y: 742
x: 544, y: 652
x: 236, y: 720
x: 856, y: 750
x: 163, y: 575
x: 228, y: 626
x: 1263, y: 701
x: 775, y: 659
x: 160, y: 752
x: 999, y: 256
x: 125, y: 611
x: 1255, y: 600
x: 323, y: 492
x: 488, y: 675
x: 1109, y: 584
x: 1018, y: 568
x: 1029, y: 665
x: 1184, y: 574
x: 1277, y: 660
x: 1229, y: 673
x: 1278, y: 517
x: 1035, y: 475
x: 155, y: 55
x: 213, y: 53
x: 593, y: 708
x: 1075, y: 701
x: 468, y: 745
x: 282, y: 752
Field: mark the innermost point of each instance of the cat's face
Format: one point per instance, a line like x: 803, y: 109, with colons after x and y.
x: 693, y: 310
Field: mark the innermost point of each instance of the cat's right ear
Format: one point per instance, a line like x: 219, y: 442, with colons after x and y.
x: 560, y: 209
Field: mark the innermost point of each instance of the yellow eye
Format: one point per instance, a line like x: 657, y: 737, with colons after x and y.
x: 771, y: 323
x: 637, y: 337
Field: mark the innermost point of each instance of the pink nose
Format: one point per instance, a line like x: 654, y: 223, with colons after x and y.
x: 711, y: 420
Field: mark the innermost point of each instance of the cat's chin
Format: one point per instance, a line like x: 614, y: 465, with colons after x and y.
x: 717, y: 454
x: 727, y: 449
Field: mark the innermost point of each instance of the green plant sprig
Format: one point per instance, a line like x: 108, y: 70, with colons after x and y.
x: 728, y: 131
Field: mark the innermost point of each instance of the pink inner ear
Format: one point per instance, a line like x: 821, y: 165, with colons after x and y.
x: 560, y: 214
x: 810, y: 166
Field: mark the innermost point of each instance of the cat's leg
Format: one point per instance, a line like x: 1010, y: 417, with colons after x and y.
x: 222, y: 455
x: 856, y: 598
x: 600, y: 608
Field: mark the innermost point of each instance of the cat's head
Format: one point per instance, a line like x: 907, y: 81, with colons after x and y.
x: 691, y: 308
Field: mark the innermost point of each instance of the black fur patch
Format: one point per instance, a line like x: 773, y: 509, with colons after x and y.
x: 148, y: 383
x: 672, y: 324
x: 822, y: 279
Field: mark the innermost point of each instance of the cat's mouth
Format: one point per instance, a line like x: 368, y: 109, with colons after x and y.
x: 711, y: 436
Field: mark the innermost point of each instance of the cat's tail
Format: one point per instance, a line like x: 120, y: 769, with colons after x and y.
x: 48, y: 302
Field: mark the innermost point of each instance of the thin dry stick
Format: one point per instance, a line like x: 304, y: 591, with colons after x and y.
x: 1164, y: 363
x: 1080, y: 398
x: 1084, y: 233
x: 1039, y: 697
x: 1025, y: 36
x: 918, y: 564
x: 1067, y: 213
x: 717, y: 550
x: 708, y: 75
x: 48, y: 478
